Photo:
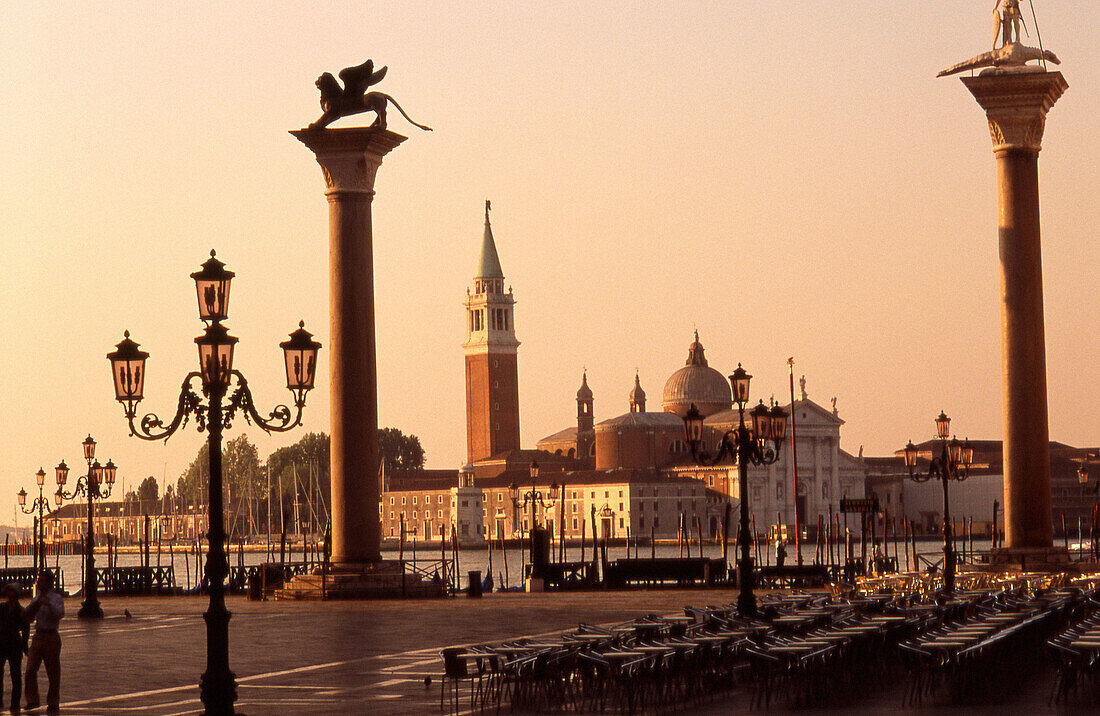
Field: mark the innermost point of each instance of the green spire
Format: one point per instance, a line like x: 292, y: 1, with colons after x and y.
x: 488, y: 264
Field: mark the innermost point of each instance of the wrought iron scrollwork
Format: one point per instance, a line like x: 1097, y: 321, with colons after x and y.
x: 279, y: 420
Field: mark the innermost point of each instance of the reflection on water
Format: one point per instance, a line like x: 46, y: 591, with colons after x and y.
x: 506, y: 572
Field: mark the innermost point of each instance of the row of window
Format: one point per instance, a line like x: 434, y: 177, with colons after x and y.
x: 492, y: 285
x: 498, y: 319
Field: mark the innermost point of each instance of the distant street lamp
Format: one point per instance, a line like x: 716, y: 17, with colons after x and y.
x: 41, y: 505
x: 93, y: 486
x: 952, y: 464
x: 216, y: 375
x: 1083, y: 480
x: 759, y: 446
x: 534, y: 497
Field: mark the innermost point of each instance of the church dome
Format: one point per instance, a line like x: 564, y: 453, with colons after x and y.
x: 696, y: 383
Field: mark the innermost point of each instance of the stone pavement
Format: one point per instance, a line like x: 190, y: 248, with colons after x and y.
x: 360, y: 657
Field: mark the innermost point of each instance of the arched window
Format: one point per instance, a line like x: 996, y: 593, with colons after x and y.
x: 592, y: 450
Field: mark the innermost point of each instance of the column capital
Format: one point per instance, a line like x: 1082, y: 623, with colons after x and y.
x: 349, y: 158
x: 1016, y: 104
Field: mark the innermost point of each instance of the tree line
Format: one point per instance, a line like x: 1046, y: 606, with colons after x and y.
x: 293, y: 481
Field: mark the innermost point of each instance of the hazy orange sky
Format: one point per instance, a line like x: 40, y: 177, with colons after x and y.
x: 791, y: 178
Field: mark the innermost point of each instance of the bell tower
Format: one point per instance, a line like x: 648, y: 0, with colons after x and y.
x: 586, y: 434
x: 492, y: 376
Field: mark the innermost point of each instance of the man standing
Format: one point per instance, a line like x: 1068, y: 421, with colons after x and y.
x: 13, y: 641
x: 46, y: 609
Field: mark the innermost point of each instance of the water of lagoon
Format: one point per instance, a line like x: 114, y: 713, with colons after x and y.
x: 188, y: 568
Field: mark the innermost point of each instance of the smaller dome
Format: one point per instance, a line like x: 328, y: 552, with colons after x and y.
x: 585, y: 393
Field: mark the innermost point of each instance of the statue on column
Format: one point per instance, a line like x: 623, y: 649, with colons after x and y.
x: 1007, y: 22
x: 1012, y: 55
x: 353, y: 98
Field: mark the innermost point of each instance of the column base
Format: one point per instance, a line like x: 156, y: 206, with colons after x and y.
x: 1030, y: 559
x: 384, y: 579
x: 90, y: 610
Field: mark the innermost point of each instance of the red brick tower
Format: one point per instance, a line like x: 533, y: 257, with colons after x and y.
x: 492, y: 377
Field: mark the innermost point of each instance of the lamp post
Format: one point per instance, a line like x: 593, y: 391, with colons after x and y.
x: 759, y: 446
x: 92, y: 486
x: 42, y: 506
x: 216, y: 377
x: 540, y: 547
x: 1083, y: 481
x: 952, y: 464
x: 534, y: 496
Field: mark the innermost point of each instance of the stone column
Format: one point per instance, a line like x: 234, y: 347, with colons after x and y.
x: 1016, y: 103
x: 349, y: 159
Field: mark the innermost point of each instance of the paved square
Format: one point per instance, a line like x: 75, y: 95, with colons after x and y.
x: 361, y: 657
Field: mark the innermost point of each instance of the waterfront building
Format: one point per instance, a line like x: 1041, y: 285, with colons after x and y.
x: 124, y: 521
x: 982, y: 492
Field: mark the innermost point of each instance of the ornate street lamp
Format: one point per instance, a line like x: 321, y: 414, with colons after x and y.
x: 95, y: 485
x: 216, y: 376
x: 41, y: 505
x: 758, y: 446
x: 534, y: 497
x: 537, y: 534
x: 953, y: 464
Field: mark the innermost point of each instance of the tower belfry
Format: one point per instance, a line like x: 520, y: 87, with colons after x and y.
x: 492, y: 376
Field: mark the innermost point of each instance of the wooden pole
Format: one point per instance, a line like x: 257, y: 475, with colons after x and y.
x: 400, y: 548
x: 905, y: 527
x: 490, y: 569
x: 970, y: 537
x: 894, y: 531
x: 1065, y: 532
x: 443, y: 555
x: 755, y: 538
x: 653, y: 541
x: 1092, y: 530
x: 726, y: 533
x: 819, y: 537
x: 454, y: 554
x: 779, y: 531
x: 595, y: 539
x: 584, y: 531
x: 561, y: 536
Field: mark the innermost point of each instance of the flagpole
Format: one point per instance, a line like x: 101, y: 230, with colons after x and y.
x: 794, y: 470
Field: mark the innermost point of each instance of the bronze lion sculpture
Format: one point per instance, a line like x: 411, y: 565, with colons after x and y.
x: 352, y: 98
